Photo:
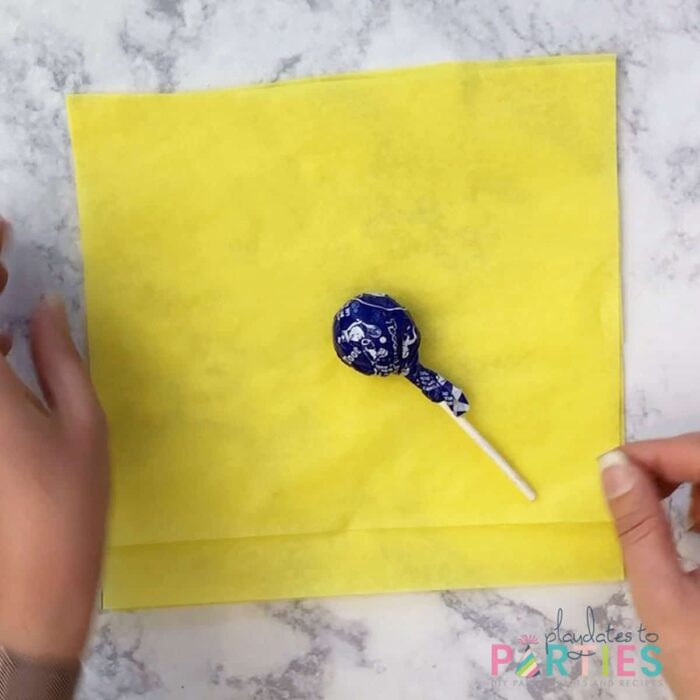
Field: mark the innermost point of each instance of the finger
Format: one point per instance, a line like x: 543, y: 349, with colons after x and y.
x: 5, y: 343
x: 33, y: 399
x: 3, y: 277
x: 664, y: 488
x: 674, y: 459
x: 62, y: 374
x: 13, y: 389
x: 648, y: 550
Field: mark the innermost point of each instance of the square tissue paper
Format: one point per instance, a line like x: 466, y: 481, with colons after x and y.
x: 223, y: 229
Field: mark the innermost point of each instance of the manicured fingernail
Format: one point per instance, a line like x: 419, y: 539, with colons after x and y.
x: 53, y: 301
x: 617, y: 473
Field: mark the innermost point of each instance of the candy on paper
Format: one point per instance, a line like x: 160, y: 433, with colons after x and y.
x: 374, y: 334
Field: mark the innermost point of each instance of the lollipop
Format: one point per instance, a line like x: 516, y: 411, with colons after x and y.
x: 374, y: 334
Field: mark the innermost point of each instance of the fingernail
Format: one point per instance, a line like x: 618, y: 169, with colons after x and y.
x: 617, y: 473
x: 53, y: 301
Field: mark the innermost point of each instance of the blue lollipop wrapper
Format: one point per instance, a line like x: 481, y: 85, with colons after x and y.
x: 375, y: 335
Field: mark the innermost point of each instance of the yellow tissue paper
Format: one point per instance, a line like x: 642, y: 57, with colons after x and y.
x: 222, y: 230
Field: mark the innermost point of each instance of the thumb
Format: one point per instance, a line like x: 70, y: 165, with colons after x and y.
x: 62, y: 375
x: 648, y: 550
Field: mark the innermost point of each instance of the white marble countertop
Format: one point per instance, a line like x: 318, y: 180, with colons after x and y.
x: 422, y: 646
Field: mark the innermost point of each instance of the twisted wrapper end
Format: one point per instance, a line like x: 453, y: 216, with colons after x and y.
x: 438, y: 389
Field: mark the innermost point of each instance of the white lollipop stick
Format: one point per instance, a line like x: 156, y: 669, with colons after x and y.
x: 484, y: 444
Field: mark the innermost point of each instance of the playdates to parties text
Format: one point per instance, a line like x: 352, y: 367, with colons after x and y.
x: 622, y: 653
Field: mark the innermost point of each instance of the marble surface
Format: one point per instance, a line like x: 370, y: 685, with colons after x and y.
x: 424, y: 646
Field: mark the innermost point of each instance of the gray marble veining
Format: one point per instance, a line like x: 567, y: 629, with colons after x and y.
x: 419, y: 646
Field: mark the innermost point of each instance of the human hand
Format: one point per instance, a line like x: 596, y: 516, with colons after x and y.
x: 53, y: 494
x: 635, y: 479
